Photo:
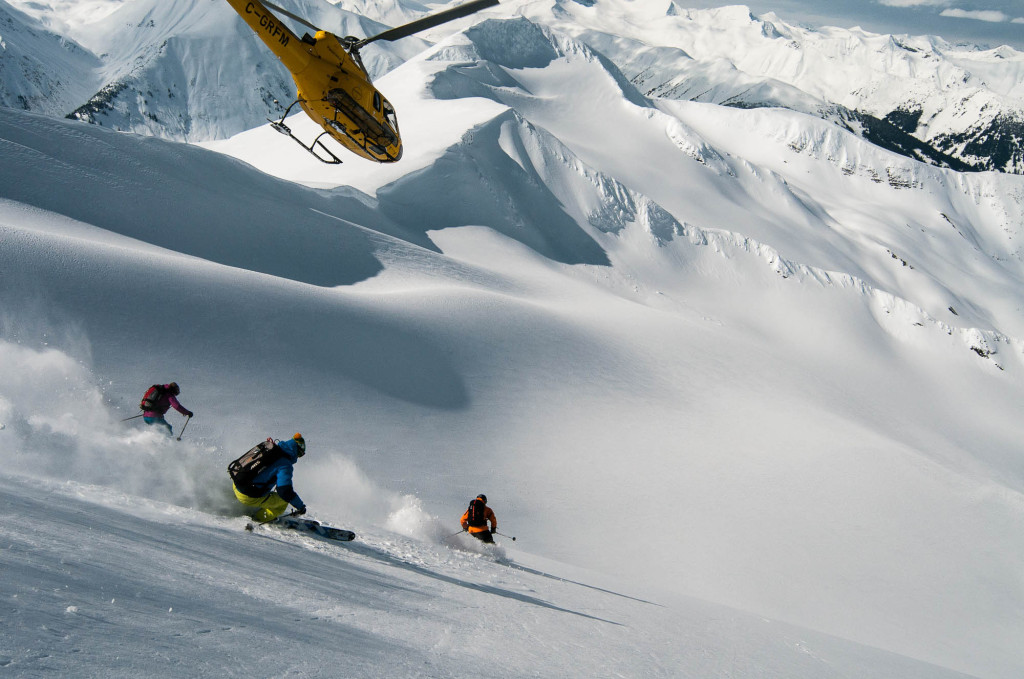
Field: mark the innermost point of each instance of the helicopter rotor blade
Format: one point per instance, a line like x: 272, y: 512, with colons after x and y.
x: 429, y: 21
x: 282, y: 10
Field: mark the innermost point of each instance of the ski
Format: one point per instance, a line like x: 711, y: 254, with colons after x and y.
x: 309, y: 526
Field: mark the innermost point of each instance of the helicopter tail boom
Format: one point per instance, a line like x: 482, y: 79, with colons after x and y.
x: 288, y: 47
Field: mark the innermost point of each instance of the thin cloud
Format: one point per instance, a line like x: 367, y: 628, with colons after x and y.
x: 991, y: 15
x: 915, y: 3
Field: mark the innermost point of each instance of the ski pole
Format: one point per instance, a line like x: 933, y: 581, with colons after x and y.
x: 504, y: 536
x: 459, y: 533
x: 132, y: 417
x: 187, y: 420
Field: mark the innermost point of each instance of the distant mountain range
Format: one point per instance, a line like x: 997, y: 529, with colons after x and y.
x: 190, y: 70
x: 950, y: 105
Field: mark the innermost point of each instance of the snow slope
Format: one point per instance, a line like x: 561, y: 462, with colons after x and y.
x: 101, y: 585
x: 778, y: 366
x: 554, y: 388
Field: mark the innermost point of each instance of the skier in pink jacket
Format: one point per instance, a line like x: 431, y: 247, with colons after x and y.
x: 158, y: 400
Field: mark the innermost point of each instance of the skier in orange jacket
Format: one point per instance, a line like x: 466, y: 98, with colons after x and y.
x: 476, y: 518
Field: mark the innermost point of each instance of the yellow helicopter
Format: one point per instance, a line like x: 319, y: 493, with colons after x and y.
x: 333, y: 86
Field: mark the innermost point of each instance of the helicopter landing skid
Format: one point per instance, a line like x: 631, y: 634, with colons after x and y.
x: 312, y: 148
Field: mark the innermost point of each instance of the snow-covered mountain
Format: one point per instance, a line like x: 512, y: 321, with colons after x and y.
x: 190, y: 69
x: 745, y: 385
x: 40, y: 70
x: 962, y: 102
x: 520, y: 68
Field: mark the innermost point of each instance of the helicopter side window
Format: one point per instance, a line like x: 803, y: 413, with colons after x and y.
x: 376, y: 100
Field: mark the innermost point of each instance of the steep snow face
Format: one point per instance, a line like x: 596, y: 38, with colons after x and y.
x: 183, y: 70
x: 984, y: 214
x: 944, y: 94
x: 40, y: 70
x: 481, y: 185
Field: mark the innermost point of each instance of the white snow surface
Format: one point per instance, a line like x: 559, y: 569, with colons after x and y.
x: 746, y: 388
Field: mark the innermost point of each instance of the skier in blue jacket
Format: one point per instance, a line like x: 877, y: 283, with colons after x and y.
x: 278, y: 474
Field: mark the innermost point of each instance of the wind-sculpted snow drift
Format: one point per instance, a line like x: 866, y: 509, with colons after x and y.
x: 543, y: 193
x: 223, y: 195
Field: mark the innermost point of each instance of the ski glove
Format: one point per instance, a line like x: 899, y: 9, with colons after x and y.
x: 299, y: 512
x: 188, y: 414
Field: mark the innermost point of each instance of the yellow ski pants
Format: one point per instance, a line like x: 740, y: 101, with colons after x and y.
x: 270, y: 506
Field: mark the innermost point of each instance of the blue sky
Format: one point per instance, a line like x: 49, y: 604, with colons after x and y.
x: 984, y: 22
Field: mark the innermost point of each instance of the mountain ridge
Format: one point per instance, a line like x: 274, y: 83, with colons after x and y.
x: 40, y: 70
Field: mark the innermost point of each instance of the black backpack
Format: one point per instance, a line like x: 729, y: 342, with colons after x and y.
x: 243, y: 470
x: 476, y: 514
x: 152, y: 397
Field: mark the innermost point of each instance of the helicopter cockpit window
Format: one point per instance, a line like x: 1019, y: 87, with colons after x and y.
x: 389, y: 115
x: 376, y: 100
